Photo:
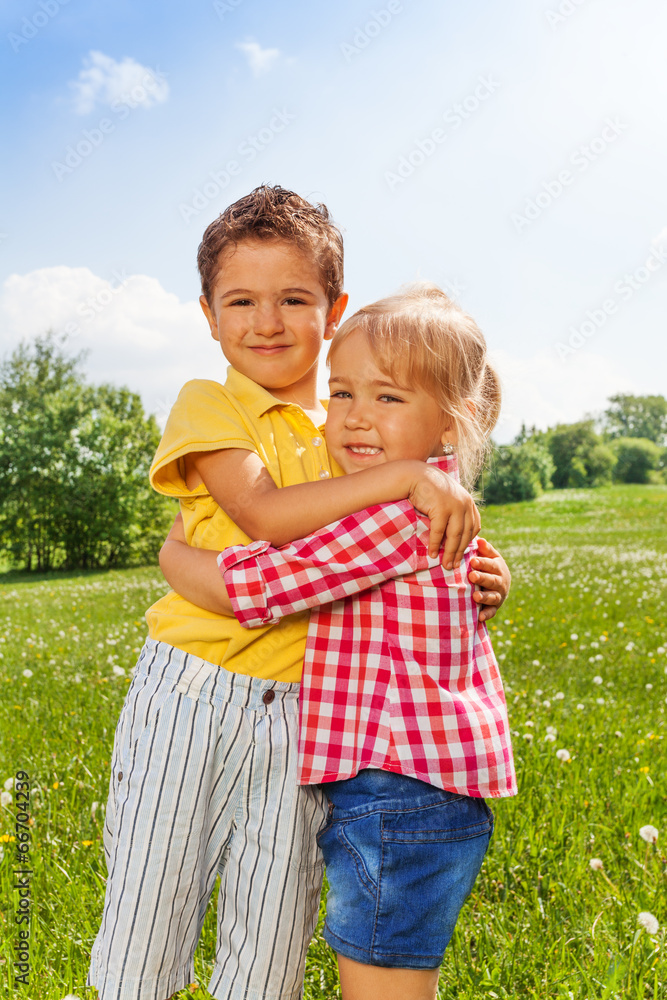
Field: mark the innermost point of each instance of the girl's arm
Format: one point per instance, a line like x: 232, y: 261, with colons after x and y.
x: 240, y: 483
x: 342, y: 559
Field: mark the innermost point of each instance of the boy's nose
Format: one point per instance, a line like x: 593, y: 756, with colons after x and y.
x: 267, y: 321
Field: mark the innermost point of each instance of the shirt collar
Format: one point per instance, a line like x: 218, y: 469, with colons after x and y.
x: 254, y: 397
x: 447, y: 463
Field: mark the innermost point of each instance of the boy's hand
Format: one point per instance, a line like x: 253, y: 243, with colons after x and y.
x: 491, y: 574
x: 451, y: 511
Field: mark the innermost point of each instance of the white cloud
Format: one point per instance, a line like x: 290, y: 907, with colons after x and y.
x: 660, y: 238
x: 104, y: 81
x: 260, y: 60
x: 136, y: 333
x: 543, y: 390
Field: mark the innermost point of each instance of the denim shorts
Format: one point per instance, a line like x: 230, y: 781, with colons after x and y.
x: 401, y: 858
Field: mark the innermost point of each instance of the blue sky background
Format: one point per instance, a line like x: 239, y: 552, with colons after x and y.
x: 108, y: 246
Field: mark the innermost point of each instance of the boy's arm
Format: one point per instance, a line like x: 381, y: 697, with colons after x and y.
x: 240, y: 483
x: 193, y: 573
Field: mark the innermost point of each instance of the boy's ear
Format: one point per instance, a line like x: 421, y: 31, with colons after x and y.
x: 335, y: 315
x: 212, y: 322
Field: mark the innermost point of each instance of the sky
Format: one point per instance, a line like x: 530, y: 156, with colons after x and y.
x: 514, y: 153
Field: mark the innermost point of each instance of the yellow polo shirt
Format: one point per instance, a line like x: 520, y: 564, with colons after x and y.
x: 241, y: 414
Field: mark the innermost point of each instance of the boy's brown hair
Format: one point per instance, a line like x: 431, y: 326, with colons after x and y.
x: 274, y: 213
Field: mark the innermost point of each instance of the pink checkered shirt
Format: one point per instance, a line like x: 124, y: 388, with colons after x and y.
x: 398, y: 672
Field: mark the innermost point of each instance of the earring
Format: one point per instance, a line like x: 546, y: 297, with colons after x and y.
x: 448, y: 448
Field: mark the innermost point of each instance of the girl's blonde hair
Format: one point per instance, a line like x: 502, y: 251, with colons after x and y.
x: 421, y: 338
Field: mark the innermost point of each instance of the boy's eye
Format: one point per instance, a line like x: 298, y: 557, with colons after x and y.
x: 240, y: 302
x: 294, y: 302
x: 340, y: 394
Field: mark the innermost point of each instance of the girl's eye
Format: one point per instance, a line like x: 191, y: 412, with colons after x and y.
x: 391, y: 399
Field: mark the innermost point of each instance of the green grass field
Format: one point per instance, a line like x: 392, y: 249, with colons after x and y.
x: 582, y: 648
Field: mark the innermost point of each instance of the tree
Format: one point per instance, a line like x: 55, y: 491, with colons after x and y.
x: 519, y: 471
x: 580, y: 457
x: 637, y: 417
x: 636, y: 459
x: 74, y: 462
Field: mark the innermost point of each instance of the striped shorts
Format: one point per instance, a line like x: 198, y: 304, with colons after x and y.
x: 203, y: 782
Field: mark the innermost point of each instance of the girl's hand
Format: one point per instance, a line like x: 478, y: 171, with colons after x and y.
x: 491, y: 574
x: 451, y: 511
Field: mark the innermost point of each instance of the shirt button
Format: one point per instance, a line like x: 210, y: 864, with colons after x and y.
x: 324, y: 474
x: 268, y: 697
x: 317, y: 442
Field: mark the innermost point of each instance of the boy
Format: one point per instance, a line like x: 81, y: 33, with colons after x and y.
x: 204, y: 763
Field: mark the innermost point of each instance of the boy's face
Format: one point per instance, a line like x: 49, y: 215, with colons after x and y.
x: 372, y: 420
x: 270, y: 315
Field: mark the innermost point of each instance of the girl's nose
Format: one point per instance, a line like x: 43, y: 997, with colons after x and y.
x: 357, y: 415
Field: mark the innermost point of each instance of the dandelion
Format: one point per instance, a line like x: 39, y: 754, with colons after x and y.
x: 528, y: 736
x: 563, y: 754
x: 648, y: 922
x: 574, y: 637
x: 630, y: 646
x: 649, y: 687
x: 597, y: 679
x: 596, y: 864
x: 600, y: 701
x: 620, y: 625
x: 87, y: 843
x: 9, y: 784
x: 581, y: 707
x: 552, y: 729
x: 549, y: 738
x: 559, y: 696
x: 648, y: 833
x: 536, y: 663
x: 546, y: 703
x: 5, y: 799
x: 27, y: 672
x: 119, y: 671
x: 93, y: 809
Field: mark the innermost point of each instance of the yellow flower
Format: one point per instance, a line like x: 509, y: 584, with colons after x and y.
x: 6, y: 838
x: 644, y: 770
x: 87, y: 843
x: 55, y: 784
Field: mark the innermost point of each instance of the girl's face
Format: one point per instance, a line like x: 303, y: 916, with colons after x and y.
x: 371, y: 419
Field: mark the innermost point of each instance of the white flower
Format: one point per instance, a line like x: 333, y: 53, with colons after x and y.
x: 5, y: 799
x: 600, y: 701
x: 618, y: 733
x: 77, y: 678
x: 27, y: 672
x: 549, y: 738
x: 648, y: 833
x: 2, y: 853
x: 540, y: 692
x: 563, y: 754
x: 529, y: 723
x: 9, y: 784
x: 93, y: 809
x: 119, y: 671
x: 630, y: 646
x: 581, y: 707
x: 546, y: 703
x: 620, y: 625
x: 571, y: 656
x: 596, y: 864
x: 559, y: 696
x: 552, y: 729
x: 649, y: 687
x: 574, y: 637
x: 528, y: 736
x: 536, y: 663
x: 661, y: 649
x: 648, y: 922
x: 597, y: 679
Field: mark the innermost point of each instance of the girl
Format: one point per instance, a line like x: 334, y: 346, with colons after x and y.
x: 402, y: 716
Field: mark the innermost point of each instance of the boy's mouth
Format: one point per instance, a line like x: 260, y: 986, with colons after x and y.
x: 269, y: 351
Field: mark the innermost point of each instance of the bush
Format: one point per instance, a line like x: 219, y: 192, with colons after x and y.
x: 580, y: 457
x: 517, y: 472
x: 636, y: 459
